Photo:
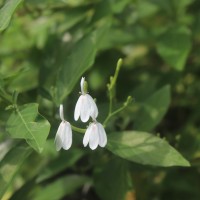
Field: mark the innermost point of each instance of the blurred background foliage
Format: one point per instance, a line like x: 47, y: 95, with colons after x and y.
x: 46, y: 46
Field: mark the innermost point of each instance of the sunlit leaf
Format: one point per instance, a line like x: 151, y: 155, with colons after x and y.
x: 144, y: 148
x: 28, y: 124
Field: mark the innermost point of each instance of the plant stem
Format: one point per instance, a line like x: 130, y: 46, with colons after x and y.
x: 79, y: 130
x: 112, y: 114
x: 112, y: 85
x: 110, y: 104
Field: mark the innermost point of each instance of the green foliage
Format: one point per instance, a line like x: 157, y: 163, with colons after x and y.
x: 6, y: 12
x: 145, y: 148
x: 148, y: 104
x: 25, y: 122
x: 78, y: 62
x: 10, y: 166
x: 59, y: 164
x: 58, y: 189
x: 107, y: 189
x: 152, y: 109
x: 174, y: 46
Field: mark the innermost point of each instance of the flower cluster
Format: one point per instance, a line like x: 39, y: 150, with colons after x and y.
x: 85, y: 108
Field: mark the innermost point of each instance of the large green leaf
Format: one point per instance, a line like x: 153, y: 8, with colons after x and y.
x: 174, y: 46
x: 152, y: 109
x: 81, y: 59
x: 6, y: 12
x: 60, y: 188
x: 117, y: 185
x: 10, y: 165
x: 144, y: 148
x: 28, y: 124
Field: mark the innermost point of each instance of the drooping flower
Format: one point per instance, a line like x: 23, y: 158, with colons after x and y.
x: 95, y: 135
x: 85, y: 106
x: 63, y: 137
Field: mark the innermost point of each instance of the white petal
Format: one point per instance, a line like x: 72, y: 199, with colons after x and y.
x: 67, y: 142
x: 87, y: 136
x: 82, y: 85
x: 94, y: 137
x: 102, y: 135
x: 59, y: 136
x: 77, y: 110
x: 61, y: 112
x: 85, y: 109
x: 93, y: 107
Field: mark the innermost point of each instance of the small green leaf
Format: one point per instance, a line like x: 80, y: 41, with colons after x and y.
x: 6, y: 12
x: 10, y: 165
x: 153, y: 109
x: 116, y: 186
x: 28, y: 124
x: 144, y: 148
x: 174, y: 46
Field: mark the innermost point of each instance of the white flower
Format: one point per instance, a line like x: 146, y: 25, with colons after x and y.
x: 85, y: 106
x: 63, y: 137
x: 95, y: 135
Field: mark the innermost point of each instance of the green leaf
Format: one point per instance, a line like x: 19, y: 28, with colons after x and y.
x: 117, y: 185
x: 10, y: 165
x: 80, y: 60
x: 60, y: 188
x: 144, y: 148
x: 28, y: 124
x: 118, y: 6
x: 28, y: 75
x: 146, y: 8
x: 24, y: 191
x: 144, y: 90
x: 59, y: 164
x: 153, y: 109
x: 174, y: 46
x: 6, y: 12
x: 172, y: 7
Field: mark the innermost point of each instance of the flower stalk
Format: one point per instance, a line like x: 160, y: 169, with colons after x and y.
x: 85, y: 108
x: 112, y: 85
